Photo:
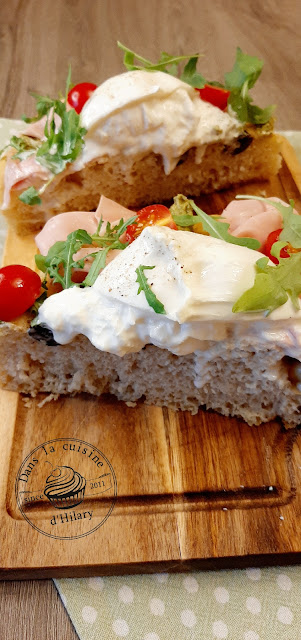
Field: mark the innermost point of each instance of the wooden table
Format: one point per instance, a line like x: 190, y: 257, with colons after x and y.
x: 39, y: 40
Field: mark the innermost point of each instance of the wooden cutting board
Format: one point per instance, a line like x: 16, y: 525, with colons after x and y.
x: 168, y: 491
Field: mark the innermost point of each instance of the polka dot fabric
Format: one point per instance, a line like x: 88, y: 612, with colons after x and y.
x: 251, y: 604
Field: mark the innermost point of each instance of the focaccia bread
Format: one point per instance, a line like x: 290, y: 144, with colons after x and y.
x: 148, y: 135
x: 170, y: 321
x: 143, y: 181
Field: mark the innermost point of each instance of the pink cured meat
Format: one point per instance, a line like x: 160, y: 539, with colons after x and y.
x: 111, y: 211
x: 59, y: 227
x: 36, y: 129
x: 20, y: 174
x: 253, y: 218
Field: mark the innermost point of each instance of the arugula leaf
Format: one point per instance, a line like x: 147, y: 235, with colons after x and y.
x: 112, y: 234
x: 215, y: 228
x: 99, y: 263
x: 59, y: 262
x: 62, y: 144
x: 167, y: 63
x: 246, y: 69
x: 68, y: 83
x: 276, y: 249
x: 247, y: 112
x: 291, y: 231
x: 64, y: 138
x: 238, y: 81
x: 151, y: 298
x: 259, y: 116
x: 191, y: 75
x: 43, y: 105
x: 30, y: 196
x: 24, y: 145
x: 245, y: 72
x: 265, y: 296
x: 110, y: 240
x: 273, y: 286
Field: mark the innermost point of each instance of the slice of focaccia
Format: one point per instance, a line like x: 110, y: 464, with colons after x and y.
x: 143, y: 136
x: 240, y: 368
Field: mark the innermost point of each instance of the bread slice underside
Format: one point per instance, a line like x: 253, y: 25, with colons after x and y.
x: 240, y: 377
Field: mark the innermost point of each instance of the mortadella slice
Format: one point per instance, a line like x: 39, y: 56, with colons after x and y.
x: 58, y: 227
x: 253, y: 218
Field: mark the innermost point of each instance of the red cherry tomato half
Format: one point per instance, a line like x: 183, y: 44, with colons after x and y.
x: 271, y: 239
x: 78, y: 276
x: 215, y: 95
x: 79, y: 95
x: 19, y: 289
x: 156, y: 214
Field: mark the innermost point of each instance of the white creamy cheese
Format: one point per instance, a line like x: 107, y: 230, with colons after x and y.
x: 139, y: 112
x: 196, y: 277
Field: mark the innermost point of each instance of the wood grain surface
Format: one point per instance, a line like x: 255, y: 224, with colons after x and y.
x: 39, y: 39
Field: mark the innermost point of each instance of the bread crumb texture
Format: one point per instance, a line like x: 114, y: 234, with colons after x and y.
x: 242, y: 378
x: 142, y: 181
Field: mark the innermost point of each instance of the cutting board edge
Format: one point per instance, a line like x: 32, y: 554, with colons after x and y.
x: 170, y: 566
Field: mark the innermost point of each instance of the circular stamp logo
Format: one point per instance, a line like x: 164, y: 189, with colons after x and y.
x: 66, y: 488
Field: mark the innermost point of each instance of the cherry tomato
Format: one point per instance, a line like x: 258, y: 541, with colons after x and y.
x: 79, y: 95
x: 271, y: 239
x: 78, y: 276
x: 215, y: 95
x: 19, y: 289
x: 156, y: 214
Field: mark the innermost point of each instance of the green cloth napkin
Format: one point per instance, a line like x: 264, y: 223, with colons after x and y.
x: 251, y: 604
